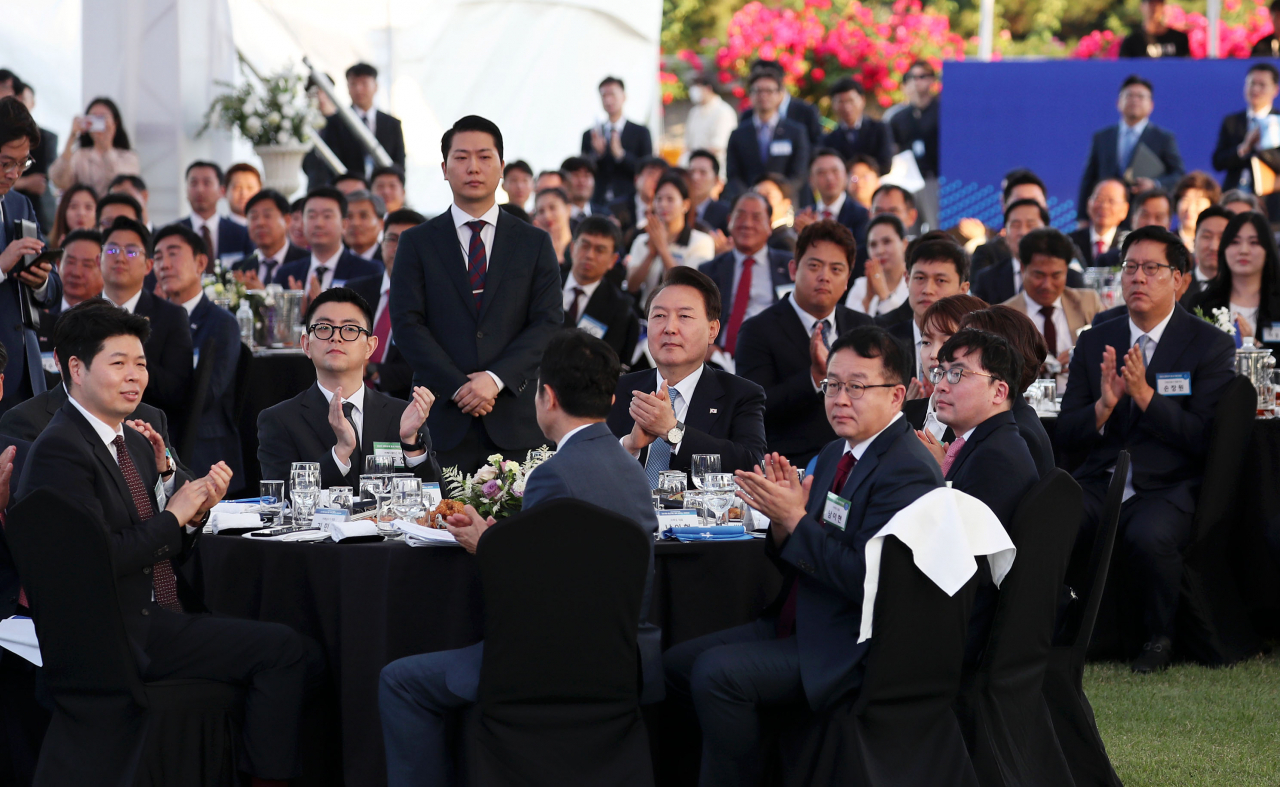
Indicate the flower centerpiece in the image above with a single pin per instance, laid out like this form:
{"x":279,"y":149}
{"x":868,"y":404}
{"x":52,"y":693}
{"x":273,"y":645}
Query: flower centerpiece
{"x":497,"y":488}
{"x":1221,"y":319}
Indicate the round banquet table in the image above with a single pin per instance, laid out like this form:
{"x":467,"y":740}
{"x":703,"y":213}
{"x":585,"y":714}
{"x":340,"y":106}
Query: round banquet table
{"x":369,"y":604}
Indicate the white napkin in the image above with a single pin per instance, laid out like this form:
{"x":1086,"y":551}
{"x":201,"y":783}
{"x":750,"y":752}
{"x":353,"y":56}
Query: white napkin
{"x":418,"y":536}
{"x":353,"y":528}
{"x":296,"y":535}
{"x":944,"y":530}
{"x":220,"y":521}
{"x":234,"y":508}
{"x":18,"y":634}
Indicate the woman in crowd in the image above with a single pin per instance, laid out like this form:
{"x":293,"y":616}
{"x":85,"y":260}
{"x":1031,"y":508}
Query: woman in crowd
{"x":941,"y":321}
{"x":551,"y":213}
{"x":1196,"y":191}
{"x":1248,"y":280}
{"x":669,"y":238}
{"x":77,"y":210}
{"x":884,"y":288}
{"x":97,"y":150}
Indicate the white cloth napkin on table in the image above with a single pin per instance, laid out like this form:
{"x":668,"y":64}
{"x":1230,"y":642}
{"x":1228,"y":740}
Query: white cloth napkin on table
{"x":18,"y":634}
{"x":418,"y":536}
{"x":945,"y":530}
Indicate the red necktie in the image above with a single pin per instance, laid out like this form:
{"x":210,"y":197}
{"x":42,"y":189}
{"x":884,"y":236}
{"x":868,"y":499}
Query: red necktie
{"x":382,"y":329}
{"x":787,"y":615}
{"x":162,"y":577}
{"x":1099,"y":248}
{"x":953,"y":451}
{"x":740,"y":300}
{"x":571,"y":319}
{"x":826,"y":215}
{"x":1050,"y":330}
{"x":477,"y":264}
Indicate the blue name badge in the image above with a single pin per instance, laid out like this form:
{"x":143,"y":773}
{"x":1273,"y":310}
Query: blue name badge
{"x":592,"y":326}
{"x":1174,"y":384}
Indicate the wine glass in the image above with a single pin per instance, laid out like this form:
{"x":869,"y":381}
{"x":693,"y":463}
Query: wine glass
{"x":718,"y":494}
{"x":703,"y":464}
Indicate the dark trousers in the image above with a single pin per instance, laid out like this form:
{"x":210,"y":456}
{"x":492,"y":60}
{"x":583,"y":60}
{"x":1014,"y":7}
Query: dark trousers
{"x":25,"y":711}
{"x":726,"y":677}
{"x":1152,"y":534}
{"x":272,"y":661}
{"x":475,"y":449}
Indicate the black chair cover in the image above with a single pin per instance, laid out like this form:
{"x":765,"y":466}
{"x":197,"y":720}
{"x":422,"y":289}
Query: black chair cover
{"x":900,"y":729}
{"x":1213,"y":620}
{"x":1001,"y":706}
{"x":1069,"y":708}
{"x":104,"y":720}
{"x":559,"y":683}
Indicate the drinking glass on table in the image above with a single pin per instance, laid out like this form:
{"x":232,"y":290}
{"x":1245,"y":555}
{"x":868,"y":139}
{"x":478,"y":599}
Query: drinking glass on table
{"x":379,"y":465}
{"x":672,"y":483}
{"x":718,"y":494}
{"x":340,"y":497}
{"x":272,"y":502}
{"x":701,"y":465}
{"x":304,"y":483}
{"x":406,"y":497}
{"x":693,"y":500}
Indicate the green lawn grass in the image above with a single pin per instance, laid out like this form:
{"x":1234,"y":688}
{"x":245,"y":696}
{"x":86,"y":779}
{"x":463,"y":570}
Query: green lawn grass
{"x":1190,"y":725}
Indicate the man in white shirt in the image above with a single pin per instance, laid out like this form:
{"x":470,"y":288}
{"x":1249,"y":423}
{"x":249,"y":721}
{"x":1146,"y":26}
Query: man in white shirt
{"x":268,"y":215}
{"x":710,"y":121}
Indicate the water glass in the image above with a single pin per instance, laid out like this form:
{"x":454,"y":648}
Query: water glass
{"x":379,"y":465}
{"x":718,"y":494}
{"x":272,"y":493}
{"x":701,"y":465}
{"x":406,"y":497}
{"x":304,"y":474}
{"x":340,"y":497}
{"x":693,"y":500}
{"x":383,"y":495}
{"x":671,"y":485}
{"x":304,"y":505}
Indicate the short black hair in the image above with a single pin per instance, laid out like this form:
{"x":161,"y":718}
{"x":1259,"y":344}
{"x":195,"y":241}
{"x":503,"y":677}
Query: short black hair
{"x":472,"y":123}
{"x":1046,"y":241}
{"x":268,"y":195}
{"x":82,"y":330}
{"x":403,"y":216}
{"x":577,"y":164}
{"x":126,"y":224}
{"x":187,"y":235}
{"x":703,"y":153}
{"x":298,"y":204}
{"x":1020,"y":177}
{"x":1134,"y":79}
{"x":133,"y":180}
{"x":925,"y":64}
{"x":999,"y":358}
{"x":339,"y":295}
{"x":356,"y":176}
{"x":393,"y":170}
{"x":611,"y":80}
{"x":844,"y":85}
{"x":652,"y":162}
{"x":941,"y":250}
{"x":893,"y":221}
{"x":201,"y":163}
{"x":582,"y":370}
{"x":1267,"y":67}
{"x":820,"y":152}
{"x":1024,"y":203}
{"x":830,"y":231}
{"x":1175,"y":251}
{"x":782,"y":184}
{"x":872,"y":341}
{"x":327,"y":192}
{"x":16,"y":122}
{"x":516,"y":211}
{"x":600,"y":227}
{"x":868,"y":161}
{"x":519,"y":165}
{"x":681,"y":276}
{"x":554,"y":191}
{"x":91,"y":235}
{"x":907,"y":197}
{"x":758,"y":74}
{"x":118,"y":199}
{"x":1214,"y":211}
{"x":554,"y":172}
{"x":362,"y":70}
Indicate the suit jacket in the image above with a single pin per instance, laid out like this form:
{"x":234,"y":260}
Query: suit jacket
{"x":1034,"y":435}
{"x":852,"y":215}
{"x":615,"y":178}
{"x":1104,"y":161}
{"x":254,"y":260}
{"x":445,"y":337}
{"x":773,"y":352}
{"x":725,"y":417}
{"x":215,"y":331}
{"x":348,"y":147}
{"x":1169,"y":441}
{"x":990,"y":253}
{"x":9,"y":583}
{"x":232,"y":239}
{"x":995,"y":466}
{"x":297,"y":430}
{"x":23,"y":376}
{"x":800,"y":112}
{"x":169,"y":353}
{"x":742,"y":156}
{"x":395,"y":376}
{"x":615,"y":310}
{"x":830,"y":564}
{"x":716,"y":215}
{"x":1110,"y":314}
{"x":592,"y":466}
{"x":1080,"y":238}
{"x":995,"y":283}
{"x":350,"y":266}
{"x":1231,"y":133}
{"x":1080,"y":305}
{"x":872,"y":138}
{"x":70,"y":457}
{"x":720,"y":269}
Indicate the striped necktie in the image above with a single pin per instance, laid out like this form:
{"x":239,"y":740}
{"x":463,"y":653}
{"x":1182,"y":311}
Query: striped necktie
{"x":477,"y":264}
{"x":659,"y":458}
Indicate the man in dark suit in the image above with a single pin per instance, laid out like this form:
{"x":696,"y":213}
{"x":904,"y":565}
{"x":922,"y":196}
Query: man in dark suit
{"x":364,"y":224}
{"x":387,"y":371}
{"x":330,"y":264}
{"x":1155,"y":38}
{"x":1241,"y":135}
{"x":1267,"y":46}
{"x":268,"y":215}
{"x":362,"y":86}
{"x":226,"y":240}
{"x":797,"y":110}
{"x":737,"y":273}
{"x":936,"y":269}
{"x":37,"y":287}
{"x":704,"y":176}
{"x":473,"y":304}
{"x":768,"y":142}
{"x":683,"y":407}
{"x":857,"y":134}
{"x":1107,"y":207}
{"x":592,"y":303}
{"x":1147,"y":384}
{"x":828,"y":184}
{"x":1210,"y":225}
{"x":805,"y":648}
{"x":417,"y":693}
{"x":339,"y":421}
{"x":617,"y":146}
{"x":783,"y":349}
{"x":153,"y":514}
{"x":580,"y":183}
{"x":180,"y":257}
{"x":1116,"y":149}
{"x":1000,"y":282}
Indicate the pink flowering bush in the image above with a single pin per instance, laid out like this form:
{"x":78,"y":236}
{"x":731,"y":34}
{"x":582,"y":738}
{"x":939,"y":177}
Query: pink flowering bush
{"x":1243,"y":22}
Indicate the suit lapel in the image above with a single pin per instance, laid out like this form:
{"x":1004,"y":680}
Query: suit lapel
{"x":792,"y":328}
{"x":499,"y":263}
{"x":698,"y":415}
{"x":983,"y":431}
{"x":104,"y":457}
{"x":315,"y":411}
{"x":453,"y":260}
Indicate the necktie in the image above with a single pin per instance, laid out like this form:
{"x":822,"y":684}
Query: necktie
{"x":383,"y":329}
{"x":162,"y":578}
{"x":571,"y":318}
{"x":763,"y":137}
{"x":357,"y":456}
{"x":1099,"y":248}
{"x":1144,"y":344}
{"x":208,"y":244}
{"x":477,"y":265}
{"x":843,"y":469}
{"x":741,"y":298}
{"x":821,"y":325}
{"x":659,"y":458}
{"x":271,"y":266}
{"x":826,"y":215}
{"x":1127,"y":141}
{"x":953,"y":451}
{"x":787,"y":615}
{"x":321,"y":270}
{"x":1050,"y":330}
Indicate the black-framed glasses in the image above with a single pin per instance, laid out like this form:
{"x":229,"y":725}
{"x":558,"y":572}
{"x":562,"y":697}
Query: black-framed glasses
{"x":832,"y":388}
{"x":954,"y":374}
{"x":349,"y":333}
{"x":19,"y":167}
{"x":1148,"y":268}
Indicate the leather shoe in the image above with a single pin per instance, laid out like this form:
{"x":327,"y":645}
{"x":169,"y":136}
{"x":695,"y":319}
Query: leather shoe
{"x":1156,"y":655}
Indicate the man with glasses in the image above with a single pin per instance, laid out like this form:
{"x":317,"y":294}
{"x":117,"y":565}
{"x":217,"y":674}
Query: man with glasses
{"x":23,"y":377}
{"x":1149,"y":385}
{"x":768,"y":142}
{"x":805,"y":647}
{"x":338,"y":421}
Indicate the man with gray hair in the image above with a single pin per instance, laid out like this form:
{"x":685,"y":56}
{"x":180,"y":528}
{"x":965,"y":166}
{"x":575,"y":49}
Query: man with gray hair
{"x":364,"y":224}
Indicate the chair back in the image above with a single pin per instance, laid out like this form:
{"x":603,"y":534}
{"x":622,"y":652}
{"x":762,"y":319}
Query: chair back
{"x":1078,"y":628}
{"x":196,"y":397}
{"x":1224,"y":464}
{"x":241,"y":397}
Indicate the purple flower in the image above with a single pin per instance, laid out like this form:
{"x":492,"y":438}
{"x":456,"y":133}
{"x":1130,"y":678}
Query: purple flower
{"x":491,"y":489}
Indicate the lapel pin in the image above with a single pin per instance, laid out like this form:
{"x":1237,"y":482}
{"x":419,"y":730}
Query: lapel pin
{"x":713,"y":410}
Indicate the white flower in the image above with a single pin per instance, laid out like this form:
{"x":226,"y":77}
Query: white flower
{"x":511,"y":466}
{"x":518,"y":487}
{"x":210,"y":292}
{"x":495,"y":460}
{"x":288,"y":111}
{"x":1222,"y":319}
{"x":486,"y":473}
{"x":252,"y":126}
{"x":283,"y":137}
{"x":251,"y":106}
{"x":273,"y":119}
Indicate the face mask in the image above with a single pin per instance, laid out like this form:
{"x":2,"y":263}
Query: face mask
{"x":696,"y":94}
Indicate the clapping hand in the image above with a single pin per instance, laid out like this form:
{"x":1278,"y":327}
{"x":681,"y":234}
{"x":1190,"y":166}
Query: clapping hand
{"x":775,"y":492}
{"x":216,"y":483}
{"x":936,"y":448}
{"x":249,"y":279}
{"x":157,"y":443}
{"x":415,"y":415}
{"x":652,"y":411}
{"x":477,"y":396}
{"x":187,"y":503}
{"x":6,"y":474}
{"x":467,"y":527}
{"x":342,"y":428}
{"x":804,"y":218}
{"x":1135,"y":377}
{"x":615,"y":145}
{"x":1113,"y":387}
{"x":818,"y":354}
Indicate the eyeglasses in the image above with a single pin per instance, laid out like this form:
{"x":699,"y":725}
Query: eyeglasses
{"x":17,"y":167}
{"x":349,"y":333}
{"x":1148,"y":268}
{"x":953,"y":375}
{"x":832,"y":388}
{"x":112,"y":250}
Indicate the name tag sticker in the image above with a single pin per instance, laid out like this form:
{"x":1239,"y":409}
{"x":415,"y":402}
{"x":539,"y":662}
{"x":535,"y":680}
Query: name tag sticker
{"x":780,"y":147}
{"x":325,"y":517}
{"x":683,"y":517}
{"x":1174,"y":384}
{"x":1271,"y":333}
{"x":836,"y":511}
{"x":389,"y":449}
{"x":592,"y":327}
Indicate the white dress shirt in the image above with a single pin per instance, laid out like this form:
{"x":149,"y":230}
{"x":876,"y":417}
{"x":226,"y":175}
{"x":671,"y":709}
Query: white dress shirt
{"x":1137,"y":129}
{"x":859,"y":291}
{"x":108,"y":435}
{"x":368,"y":253}
{"x":807,"y":321}
{"x":1059,"y":322}
{"x":1094,"y":237}
{"x":700,"y":248}
{"x":1017,"y":274}
{"x":198,"y":223}
{"x":190,"y":305}
{"x":761,"y":296}
{"x":330,"y":265}
{"x":357,"y":416}
{"x":130,"y":305}
{"x":834,"y":207}
{"x":490,"y":219}
{"x":1154,"y":335}
{"x":587,"y":291}
{"x":859,"y":448}
{"x":1247,"y":313}
{"x":564,"y":438}
{"x":243,"y":221}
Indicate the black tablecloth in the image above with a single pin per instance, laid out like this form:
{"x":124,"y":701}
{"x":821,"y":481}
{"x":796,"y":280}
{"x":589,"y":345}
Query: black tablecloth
{"x":272,"y":379}
{"x":369,"y":604}
{"x":1256,"y":541}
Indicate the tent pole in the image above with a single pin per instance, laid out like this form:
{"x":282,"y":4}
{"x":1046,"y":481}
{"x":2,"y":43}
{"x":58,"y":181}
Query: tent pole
{"x":1214,"y":13}
{"x":986,"y":29}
